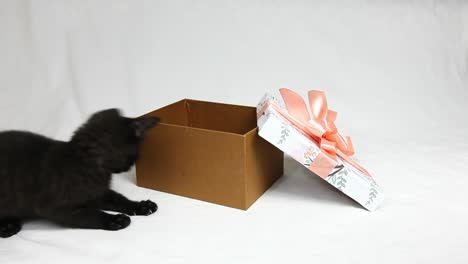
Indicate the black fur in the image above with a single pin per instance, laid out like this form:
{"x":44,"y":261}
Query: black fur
{"x":68,"y":182}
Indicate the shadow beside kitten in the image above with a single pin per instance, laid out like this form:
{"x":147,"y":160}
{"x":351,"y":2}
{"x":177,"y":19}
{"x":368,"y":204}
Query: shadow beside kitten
{"x":69,"y":182}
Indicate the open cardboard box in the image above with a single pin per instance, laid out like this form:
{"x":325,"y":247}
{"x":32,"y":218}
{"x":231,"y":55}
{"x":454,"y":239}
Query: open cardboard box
{"x":208,"y":151}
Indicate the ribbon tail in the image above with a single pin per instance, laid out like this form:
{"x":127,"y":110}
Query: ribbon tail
{"x":350,"y":148}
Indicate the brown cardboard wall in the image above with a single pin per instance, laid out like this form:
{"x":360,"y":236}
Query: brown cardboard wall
{"x":194,"y":163}
{"x":263,"y":166}
{"x":208,"y":151}
{"x":207,"y":115}
{"x":175,"y":114}
{"x":221,"y":117}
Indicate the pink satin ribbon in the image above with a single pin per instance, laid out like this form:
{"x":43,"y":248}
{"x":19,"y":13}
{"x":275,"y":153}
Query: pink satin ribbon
{"x":320,"y":126}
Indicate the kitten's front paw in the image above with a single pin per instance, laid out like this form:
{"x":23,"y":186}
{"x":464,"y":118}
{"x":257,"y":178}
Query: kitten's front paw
{"x":117,"y":222}
{"x":145,"y":208}
{"x":9,"y":229}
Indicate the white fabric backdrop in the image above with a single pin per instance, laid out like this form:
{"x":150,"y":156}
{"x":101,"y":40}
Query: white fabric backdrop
{"x":396,"y":71}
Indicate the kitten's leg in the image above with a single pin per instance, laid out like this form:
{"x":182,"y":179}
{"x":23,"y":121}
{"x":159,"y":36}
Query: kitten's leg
{"x":114,"y":201}
{"x":9,"y":226}
{"x":86,"y":217}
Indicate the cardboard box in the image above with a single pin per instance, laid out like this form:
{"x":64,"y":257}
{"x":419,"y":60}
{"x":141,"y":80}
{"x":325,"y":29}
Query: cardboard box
{"x":208,"y":151}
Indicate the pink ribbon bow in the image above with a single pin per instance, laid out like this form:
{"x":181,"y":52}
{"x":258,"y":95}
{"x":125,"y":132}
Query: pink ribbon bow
{"x":320,"y":126}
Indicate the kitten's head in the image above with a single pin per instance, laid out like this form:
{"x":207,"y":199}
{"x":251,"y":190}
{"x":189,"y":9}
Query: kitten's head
{"x":113,"y":139}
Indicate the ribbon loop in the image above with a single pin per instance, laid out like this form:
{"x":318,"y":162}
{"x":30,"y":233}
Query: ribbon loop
{"x":319,"y":124}
{"x":295,"y":105}
{"x":318,"y":106}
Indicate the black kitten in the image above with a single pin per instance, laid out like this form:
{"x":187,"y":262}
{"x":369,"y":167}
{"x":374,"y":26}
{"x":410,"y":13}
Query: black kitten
{"x":68,"y":182}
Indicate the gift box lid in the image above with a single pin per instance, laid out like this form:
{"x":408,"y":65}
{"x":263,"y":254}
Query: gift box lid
{"x":308,"y":134}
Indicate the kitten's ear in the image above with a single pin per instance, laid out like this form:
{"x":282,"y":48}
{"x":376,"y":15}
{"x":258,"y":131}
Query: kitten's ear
{"x":140,"y":125}
{"x":108,"y":114}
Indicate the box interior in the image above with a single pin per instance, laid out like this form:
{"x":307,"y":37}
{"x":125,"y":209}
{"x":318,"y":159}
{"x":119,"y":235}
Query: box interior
{"x":208,"y":115}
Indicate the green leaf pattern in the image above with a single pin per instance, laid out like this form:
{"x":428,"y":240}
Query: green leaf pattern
{"x":373,"y":192}
{"x":338,"y":177}
{"x":310,"y":155}
{"x":284,"y":134}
